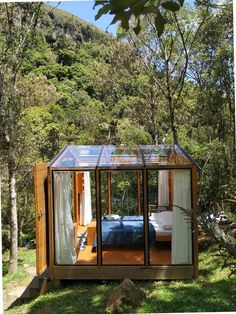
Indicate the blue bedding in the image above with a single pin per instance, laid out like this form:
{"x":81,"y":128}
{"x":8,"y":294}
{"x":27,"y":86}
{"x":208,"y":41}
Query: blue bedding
{"x":126,"y":231}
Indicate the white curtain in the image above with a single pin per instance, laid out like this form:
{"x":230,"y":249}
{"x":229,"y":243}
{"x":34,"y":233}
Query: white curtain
{"x":64,"y":233}
{"x":163,"y":188}
{"x":181,"y":230}
{"x":85,"y":202}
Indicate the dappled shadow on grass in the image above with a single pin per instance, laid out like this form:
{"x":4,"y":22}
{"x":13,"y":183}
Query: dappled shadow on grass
{"x":77,"y":297}
{"x":211,"y":266}
{"x":5,"y":266}
{"x":191,"y":297}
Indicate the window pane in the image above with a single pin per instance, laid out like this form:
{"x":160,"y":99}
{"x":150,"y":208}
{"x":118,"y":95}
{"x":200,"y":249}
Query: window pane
{"x":120,"y":155}
{"x":78,"y":156}
{"x":75,"y":217}
{"x":163,"y":155}
{"x":122,"y":218}
{"x":170,"y":216}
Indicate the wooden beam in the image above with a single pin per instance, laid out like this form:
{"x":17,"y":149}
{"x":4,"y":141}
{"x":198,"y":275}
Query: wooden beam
{"x":73,"y":272}
{"x":51,"y":220}
{"x":171,"y":189}
{"x":109,"y":192}
{"x":99,"y":227}
{"x":139,"y":193}
{"x":145,"y":221}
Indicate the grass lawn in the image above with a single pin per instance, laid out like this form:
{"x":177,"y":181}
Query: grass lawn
{"x":213,"y":291}
{"x":25,"y":257}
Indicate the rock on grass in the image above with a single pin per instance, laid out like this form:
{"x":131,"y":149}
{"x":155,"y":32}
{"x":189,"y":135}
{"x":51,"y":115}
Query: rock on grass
{"x":127,"y":293}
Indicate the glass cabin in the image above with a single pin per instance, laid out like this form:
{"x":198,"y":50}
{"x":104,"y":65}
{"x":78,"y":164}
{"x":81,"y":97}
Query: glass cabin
{"x":113,"y":212}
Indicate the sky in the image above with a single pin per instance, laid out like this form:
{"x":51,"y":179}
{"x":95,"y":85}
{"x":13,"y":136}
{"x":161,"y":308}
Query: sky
{"x":84,"y":9}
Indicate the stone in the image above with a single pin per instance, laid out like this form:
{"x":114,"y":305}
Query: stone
{"x":126,"y":293}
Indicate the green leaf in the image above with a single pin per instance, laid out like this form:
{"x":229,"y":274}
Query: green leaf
{"x":99,"y":2}
{"x":124,"y":18}
{"x":102,"y":11}
{"x":125,"y":22}
{"x":121,"y":4}
{"x":159,"y":23}
{"x":116,"y":18}
{"x":138,"y":7}
{"x":170,"y":6}
{"x":150,"y":9}
{"x":181,"y":2}
{"x":137,"y":28}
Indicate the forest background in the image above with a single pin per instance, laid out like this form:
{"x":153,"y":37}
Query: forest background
{"x":78,"y":85}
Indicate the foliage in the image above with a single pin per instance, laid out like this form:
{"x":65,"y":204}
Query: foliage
{"x":124,"y":10}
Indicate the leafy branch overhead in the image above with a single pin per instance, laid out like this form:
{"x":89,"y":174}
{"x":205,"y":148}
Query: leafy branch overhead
{"x":123,"y":10}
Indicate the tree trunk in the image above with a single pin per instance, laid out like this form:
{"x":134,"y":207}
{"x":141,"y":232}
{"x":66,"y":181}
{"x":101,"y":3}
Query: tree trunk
{"x":14,"y":228}
{"x":154,"y":129}
{"x":12,"y":183}
{"x":172,"y":121}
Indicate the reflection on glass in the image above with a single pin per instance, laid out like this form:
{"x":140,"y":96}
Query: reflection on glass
{"x":85,"y":217}
{"x":160,"y":216}
{"x":122,"y":218}
{"x":164,"y":154}
{"x":89,"y":156}
{"x":78,"y":156}
{"x":120,"y":155}
{"x":169,"y":202}
{"x":75,"y":217}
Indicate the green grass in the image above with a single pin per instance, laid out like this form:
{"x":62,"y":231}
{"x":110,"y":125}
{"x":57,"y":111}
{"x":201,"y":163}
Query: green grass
{"x":24,"y":257}
{"x":213,"y":291}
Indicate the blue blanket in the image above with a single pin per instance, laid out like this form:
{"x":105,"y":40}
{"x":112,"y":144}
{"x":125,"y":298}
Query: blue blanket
{"x":126,"y":231}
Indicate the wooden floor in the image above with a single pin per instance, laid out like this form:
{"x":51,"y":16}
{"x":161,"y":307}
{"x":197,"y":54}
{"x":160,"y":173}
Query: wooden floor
{"x":123,"y":256}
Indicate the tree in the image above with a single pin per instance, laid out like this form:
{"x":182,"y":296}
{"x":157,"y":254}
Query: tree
{"x":166,"y":58}
{"x":18,"y":22}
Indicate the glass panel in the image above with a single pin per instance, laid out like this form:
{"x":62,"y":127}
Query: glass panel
{"x":160,"y":216}
{"x":121,"y":155}
{"x":170,"y":227}
{"x":64,"y":228}
{"x":122,"y":218}
{"x":78,"y":156}
{"x":86,"y":223}
{"x":164,"y":154}
{"x":75,"y":217}
{"x":182,"y":224}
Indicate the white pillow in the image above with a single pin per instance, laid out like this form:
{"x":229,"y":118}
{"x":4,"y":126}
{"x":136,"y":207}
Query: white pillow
{"x":167,"y":227}
{"x":165,"y":218}
{"x":112,"y":217}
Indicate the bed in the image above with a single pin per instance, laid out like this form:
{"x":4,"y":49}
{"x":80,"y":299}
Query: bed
{"x":129,"y":231}
{"x":162,"y":223}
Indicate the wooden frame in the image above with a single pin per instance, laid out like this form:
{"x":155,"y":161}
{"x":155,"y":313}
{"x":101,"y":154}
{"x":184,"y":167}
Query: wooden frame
{"x":145,"y":271}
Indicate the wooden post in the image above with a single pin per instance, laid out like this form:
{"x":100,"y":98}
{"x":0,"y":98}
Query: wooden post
{"x":139,"y":193}
{"x":195,"y":228}
{"x":51,"y":223}
{"x":99,"y":227}
{"x":171,"y":189}
{"x":109,"y":192}
{"x":146,"y":228}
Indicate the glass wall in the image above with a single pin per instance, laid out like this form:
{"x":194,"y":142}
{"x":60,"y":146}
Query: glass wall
{"x":122,"y":217}
{"x":170,"y":226}
{"x":75,"y":217}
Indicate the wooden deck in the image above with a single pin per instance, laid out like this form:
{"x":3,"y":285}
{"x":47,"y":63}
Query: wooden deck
{"x":117,"y":256}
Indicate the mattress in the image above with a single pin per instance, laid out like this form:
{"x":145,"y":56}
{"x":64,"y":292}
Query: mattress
{"x":162,"y":223}
{"x":125,"y":231}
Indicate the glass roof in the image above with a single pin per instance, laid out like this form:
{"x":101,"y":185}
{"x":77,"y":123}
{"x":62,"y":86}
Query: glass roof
{"x":117,"y":156}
